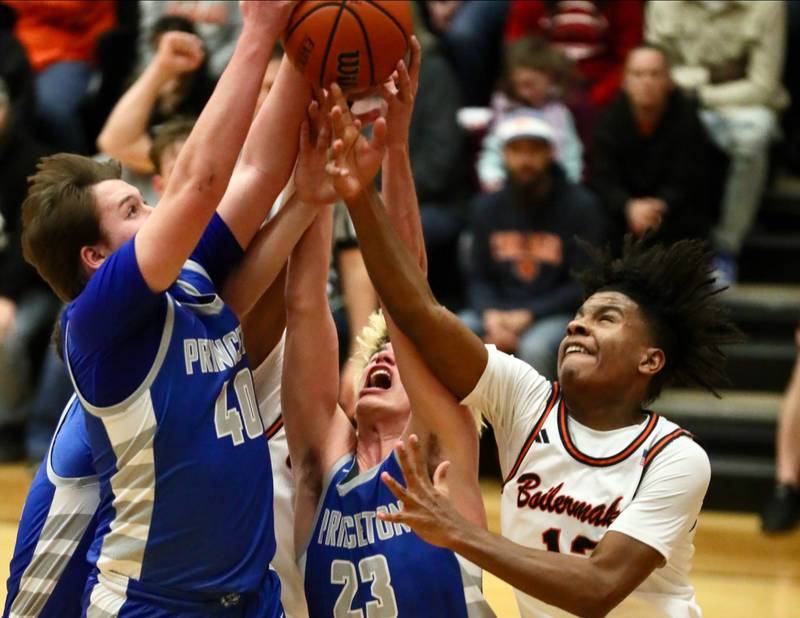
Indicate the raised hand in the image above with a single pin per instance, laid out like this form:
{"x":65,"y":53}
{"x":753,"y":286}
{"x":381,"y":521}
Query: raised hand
{"x":355,"y":160}
{"x":271,"y":16}
{"x":178,"y":52}
{"x":400,"y":93}
{"x":312,"y":182}
{"x":426,"y":504}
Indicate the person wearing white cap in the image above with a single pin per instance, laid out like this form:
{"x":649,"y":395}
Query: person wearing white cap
{"x":521,"y":294}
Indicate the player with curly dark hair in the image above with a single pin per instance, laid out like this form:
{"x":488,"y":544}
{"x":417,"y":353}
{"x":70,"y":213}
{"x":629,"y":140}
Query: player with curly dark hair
{"x":601,"y":495}
{"x":675,"y":290}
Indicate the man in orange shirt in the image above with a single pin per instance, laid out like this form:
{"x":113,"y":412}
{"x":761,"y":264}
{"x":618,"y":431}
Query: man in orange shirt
{"x":60,"y":38}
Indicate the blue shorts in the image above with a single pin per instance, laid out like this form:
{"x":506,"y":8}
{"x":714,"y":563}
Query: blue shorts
{"x":139,"y":601}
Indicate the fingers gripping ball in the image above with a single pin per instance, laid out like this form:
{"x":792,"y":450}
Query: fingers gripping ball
{"x":356,"y":43}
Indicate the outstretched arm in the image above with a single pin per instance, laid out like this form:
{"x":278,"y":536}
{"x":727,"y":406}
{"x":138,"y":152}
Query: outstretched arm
{"x":263,"y":327}
{"x":317,"y":430}
{"x":268,"y":154}
{"x":272,"y":245}
{"x":585,"y":587}
{"x":267,"y":255}
{"x":124,"y":135}
{"x":435,"y":409}
{"x":398,"y":187}
{"x":455,"y":355}
{"x":205,"y":162}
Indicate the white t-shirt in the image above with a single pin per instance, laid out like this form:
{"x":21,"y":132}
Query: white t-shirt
{"x":267,"y":381}
{"x":565,"y":484}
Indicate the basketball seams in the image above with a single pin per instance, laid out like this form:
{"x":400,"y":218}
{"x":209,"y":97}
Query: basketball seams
{"x":321,"y":62}
{"x":393,"y":19}
{"x":294,"y":27}
{"x":329,"y":43}
{"x":366,"y":43}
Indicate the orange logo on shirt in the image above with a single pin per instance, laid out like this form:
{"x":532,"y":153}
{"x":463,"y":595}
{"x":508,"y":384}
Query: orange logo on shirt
{"x":527,"y":250}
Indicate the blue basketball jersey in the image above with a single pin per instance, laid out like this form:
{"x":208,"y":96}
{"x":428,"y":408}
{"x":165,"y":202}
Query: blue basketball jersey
{"x":49,"y":567}
{"x":357,"y":565}
{"x":185,"y":480}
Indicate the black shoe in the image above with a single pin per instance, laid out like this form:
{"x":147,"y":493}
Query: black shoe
{"x":782,"y":512}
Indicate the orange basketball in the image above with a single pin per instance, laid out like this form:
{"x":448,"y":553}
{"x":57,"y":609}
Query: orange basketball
{"x":356,"y":43}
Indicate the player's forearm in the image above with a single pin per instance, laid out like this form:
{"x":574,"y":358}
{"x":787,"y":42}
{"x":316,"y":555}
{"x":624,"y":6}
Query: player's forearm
{"x":571,"y":583}
{"x":226,"y":117}
{"x":266,"y":256}
{"x":450,"y":349}
{"x":306,"y":284}
{"x":271,"y":144}
{"x":397,"y":278}
{"x":400,"y":196}
{"x":204,"y":164}
{"x":264,"y":325}
{"x":126,"y":126}
{"x":310,"y":382}
{"x":269,"y":152}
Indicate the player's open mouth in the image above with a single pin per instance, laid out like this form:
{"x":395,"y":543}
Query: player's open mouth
{"x":380,"y":378}
{"x":576,"y":348}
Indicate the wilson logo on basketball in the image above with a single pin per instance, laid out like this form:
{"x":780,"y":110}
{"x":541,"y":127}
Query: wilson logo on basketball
{"x":552,"y":501}
{"x":347,"y":65}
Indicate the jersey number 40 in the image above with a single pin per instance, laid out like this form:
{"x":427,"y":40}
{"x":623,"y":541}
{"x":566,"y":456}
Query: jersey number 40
{"x":228,"y":421}
{"x":373,"y":569}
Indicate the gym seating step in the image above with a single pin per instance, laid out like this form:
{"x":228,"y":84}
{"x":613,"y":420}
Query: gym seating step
{"x":764,"y":311}
{"x":738,"y":433}
{"x":761,"y":365}
{"x":740,"y":422}
{"x":679,"y":404}
{"x":771,"y":257}
{"x":739,"y":483}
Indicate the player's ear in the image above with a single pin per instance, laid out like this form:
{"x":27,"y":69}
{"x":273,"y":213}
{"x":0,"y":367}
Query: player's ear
{"x":652,"y":361}
{"x":92,"y":257}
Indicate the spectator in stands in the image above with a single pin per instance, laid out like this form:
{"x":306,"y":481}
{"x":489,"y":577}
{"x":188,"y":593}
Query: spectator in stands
{"x":472,"y":33}
{"x":597,"y":35}
{"x":524,"y":248}
{"x":167,"y":87}
{"x":533,"y":77}
{"x":436,"y":150}
{"x":217,"y":22}
{"x":27,"y":308}
{"x":782,"y":512}
{"x":168,"y":140}
{"x":648,"y":164}
{"x":15,"y":70}
{"x":60,"y":39}
{"x":730,"y":56}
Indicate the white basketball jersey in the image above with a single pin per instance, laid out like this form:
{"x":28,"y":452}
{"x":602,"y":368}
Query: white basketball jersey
{"x":267,"y":382}
{"x":565,"y":485}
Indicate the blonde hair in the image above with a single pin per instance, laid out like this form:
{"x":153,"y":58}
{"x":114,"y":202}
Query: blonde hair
{"x":374,"y":336}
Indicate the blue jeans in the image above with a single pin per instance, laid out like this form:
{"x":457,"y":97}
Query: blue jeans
{"x":52,"y":393}
{"x":441,"y":225}
{"x":34,"y":314}
{"x":538,"y":345}
{"x":744,"y":133}
{"x":60,"y":90}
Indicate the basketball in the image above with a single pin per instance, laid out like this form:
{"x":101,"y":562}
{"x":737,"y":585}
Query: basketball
{"x":356,"y":43}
